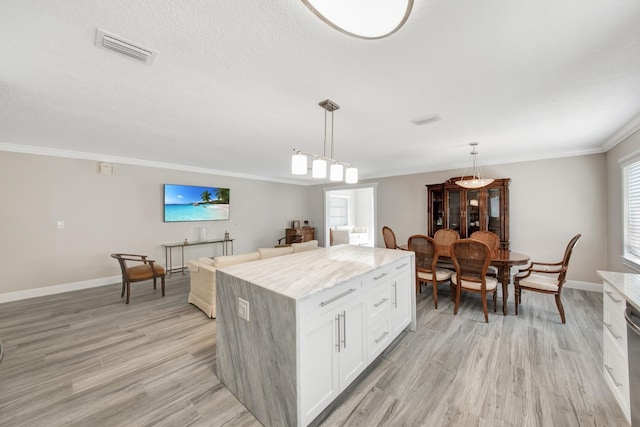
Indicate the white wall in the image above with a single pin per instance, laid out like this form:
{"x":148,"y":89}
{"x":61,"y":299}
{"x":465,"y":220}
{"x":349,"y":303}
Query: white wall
{"x":626,"y":148}
{"x":550,"y":201}
{"x":117,"y":213}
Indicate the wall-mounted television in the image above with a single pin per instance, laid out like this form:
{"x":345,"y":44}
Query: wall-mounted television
{"x":194,"y":203}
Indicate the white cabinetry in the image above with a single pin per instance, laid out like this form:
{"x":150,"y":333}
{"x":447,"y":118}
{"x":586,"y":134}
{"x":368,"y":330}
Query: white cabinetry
{"x":614,"y":346}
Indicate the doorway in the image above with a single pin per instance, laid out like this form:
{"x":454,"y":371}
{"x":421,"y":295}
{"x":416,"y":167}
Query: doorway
{"x":351,"y":208}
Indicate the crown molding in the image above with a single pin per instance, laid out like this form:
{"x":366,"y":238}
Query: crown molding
{"x":53,"y":152}
{"x":628,"y":129}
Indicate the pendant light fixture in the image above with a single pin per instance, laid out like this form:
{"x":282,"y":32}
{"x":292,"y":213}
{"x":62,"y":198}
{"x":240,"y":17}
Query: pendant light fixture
{"x":475,"y":181}
{"x":337,"y":171}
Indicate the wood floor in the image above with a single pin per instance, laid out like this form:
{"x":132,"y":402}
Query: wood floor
{"x":86,"y":359}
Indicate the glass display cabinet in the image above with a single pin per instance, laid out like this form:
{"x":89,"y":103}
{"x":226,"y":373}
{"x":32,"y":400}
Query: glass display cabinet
{"x":468,"y":210}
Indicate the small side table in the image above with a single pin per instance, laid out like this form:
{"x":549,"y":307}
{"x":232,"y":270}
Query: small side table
{"x":226,"y":243}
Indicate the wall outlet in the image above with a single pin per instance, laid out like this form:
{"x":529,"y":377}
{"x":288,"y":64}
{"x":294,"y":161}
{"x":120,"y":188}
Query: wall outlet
{"x":243,"y":309}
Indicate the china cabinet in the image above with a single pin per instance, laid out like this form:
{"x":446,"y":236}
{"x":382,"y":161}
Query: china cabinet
{"x":468,"y":210}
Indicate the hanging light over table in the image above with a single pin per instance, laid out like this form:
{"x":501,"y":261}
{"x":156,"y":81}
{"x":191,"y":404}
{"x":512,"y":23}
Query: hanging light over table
{"x":477,"y":180}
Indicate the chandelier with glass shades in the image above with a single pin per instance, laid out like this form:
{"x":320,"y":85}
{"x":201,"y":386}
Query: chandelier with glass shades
{"x":337,"y":172}
{"x":477,"y":180}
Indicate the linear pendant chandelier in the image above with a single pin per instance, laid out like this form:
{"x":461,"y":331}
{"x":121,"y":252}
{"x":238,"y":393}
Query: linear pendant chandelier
{"x":299,"y":160}
{"x":476,"y":181}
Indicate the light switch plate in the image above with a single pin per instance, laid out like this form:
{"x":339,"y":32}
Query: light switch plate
{"x":243,"y":309}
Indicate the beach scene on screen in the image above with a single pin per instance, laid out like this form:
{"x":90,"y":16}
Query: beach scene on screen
{"x":195,"y":203}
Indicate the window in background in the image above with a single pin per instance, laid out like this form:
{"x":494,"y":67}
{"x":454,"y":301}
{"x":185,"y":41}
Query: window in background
{"x":338,"y":211}
{"x":631,"y":212}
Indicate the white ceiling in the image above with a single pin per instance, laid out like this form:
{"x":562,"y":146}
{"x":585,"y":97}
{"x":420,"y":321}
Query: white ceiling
{"x":236,"y":84}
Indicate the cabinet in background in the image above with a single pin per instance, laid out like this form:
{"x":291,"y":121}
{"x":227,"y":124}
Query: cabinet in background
{"x":468,"y":210}
{"x":309,"y":233}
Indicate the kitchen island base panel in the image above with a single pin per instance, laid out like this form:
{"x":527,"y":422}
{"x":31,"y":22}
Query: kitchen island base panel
{"x":249,"y":374}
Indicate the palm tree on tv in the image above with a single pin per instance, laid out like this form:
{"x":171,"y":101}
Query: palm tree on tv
{"x":222,"y":194}
{"x":206,"y":196}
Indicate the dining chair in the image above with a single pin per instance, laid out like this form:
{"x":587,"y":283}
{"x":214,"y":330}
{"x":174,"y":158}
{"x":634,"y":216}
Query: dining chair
{"x":426,"y":254}
{"x":493,"y":241}
{"x":288,"y":240}
{"x":338,"y":237}
{"x":146,"y":271}
{"x":549,"y":280}
{"x":471,"y":259}
{"x":389,"y":238}
{"x":444,"y":238}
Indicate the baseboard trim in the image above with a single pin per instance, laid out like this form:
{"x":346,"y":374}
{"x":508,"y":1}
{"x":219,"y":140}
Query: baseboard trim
{"x":58,"y":289}
{"x":584,"y":286}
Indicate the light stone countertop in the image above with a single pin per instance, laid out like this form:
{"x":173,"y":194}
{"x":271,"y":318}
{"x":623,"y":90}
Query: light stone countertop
{"x":628,"y":285}
{"x":302,"y":274}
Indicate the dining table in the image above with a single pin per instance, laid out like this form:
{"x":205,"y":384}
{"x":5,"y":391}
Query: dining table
{"x":502,"y":260}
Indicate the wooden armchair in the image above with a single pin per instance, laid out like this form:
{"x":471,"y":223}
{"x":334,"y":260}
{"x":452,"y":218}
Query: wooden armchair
{"x":148,"y":270}
{"x":426,"y":252}
{"x":389,"y":238}
{"x":471,"y":259}
{"x":551,"y":277}
{"x":288,"y":240}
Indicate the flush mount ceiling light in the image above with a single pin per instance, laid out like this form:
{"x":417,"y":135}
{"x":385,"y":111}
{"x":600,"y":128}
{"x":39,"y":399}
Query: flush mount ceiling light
{"x":366,"y":19}
{"x":299,"y":159}
{"x":475,"y":181}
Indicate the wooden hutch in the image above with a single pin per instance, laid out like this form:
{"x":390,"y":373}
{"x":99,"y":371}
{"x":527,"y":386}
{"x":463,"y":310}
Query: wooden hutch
{"x":468,"y":210}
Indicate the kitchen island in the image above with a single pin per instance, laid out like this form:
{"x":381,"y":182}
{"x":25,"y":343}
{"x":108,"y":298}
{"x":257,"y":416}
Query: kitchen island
{"x":294,"y":331}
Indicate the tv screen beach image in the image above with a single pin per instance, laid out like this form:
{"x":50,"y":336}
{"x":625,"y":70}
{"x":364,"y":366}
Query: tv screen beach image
{"x":194,"y":203}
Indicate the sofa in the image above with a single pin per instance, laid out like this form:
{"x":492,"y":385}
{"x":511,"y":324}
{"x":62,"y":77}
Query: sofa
{"x":202,"y":272}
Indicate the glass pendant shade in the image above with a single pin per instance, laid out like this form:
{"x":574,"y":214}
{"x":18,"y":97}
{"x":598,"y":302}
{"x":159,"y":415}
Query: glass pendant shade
{"x":351,"y":175}
{"x":335,"y":173}
{"x":474,"y":182}
{"x":299,"y":164}
{"x":319,"y":168}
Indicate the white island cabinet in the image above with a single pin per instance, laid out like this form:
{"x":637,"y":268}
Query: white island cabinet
{"x":317,"y":319}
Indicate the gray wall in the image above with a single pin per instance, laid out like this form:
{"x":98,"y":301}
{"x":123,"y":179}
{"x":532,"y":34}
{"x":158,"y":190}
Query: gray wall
{"x":117,"y":213}
{"x":625,"y":149}
{"x":551,"y":200}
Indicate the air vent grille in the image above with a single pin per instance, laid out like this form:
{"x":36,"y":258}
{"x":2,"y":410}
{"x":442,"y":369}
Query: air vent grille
{"x":124,"y":47}
{"x":426,"y":119}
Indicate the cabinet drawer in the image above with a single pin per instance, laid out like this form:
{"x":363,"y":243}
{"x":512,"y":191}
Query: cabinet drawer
{"x":378,"y":301}
{"x":613,"y":299}
{"x":400,"y":266}
{"x":379,"y":337}
{"x":614,"y":325}
{"x":329,"y":298}
{"x":616,"y":373}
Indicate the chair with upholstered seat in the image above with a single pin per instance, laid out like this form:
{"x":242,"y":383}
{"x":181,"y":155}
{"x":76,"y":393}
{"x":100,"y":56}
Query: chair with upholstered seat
{"x":426,"y":253}
{"x":389,"y":238}
{"x":471,"y":259}
{"x":288,"y":240}
{"x":444,"y":238}
{"x":338,"y":237}
{"x":549,"y":278}
{"x":146,"y":271}
{"x":493,"y":241}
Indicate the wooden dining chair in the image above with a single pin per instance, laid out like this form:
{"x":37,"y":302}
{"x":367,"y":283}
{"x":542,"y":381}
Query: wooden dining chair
{"x":444,"y":238}
{"x":389,"y":238}
{"x":493,"y":241}
{"x":146,"y":271}
{"x":471,"y":259}
{"x":549,"y":278}
{"x":426,"y":254}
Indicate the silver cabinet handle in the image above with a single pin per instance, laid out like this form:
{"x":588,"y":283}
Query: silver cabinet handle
{"x":402,"y":266}
{"x":610,"y":294}
{"x":337,"y":297}
{"x":382,"y":336}
{"x":382,"y":301}
{"x":395,"y":294}
{"x":338,"y":326}
{"x":610,"y":372}
{"x":380,"y":276}
{"x":344,"y":329}
{"x":609,"y":326}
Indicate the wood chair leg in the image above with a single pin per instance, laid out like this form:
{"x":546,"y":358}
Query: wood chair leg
{"x":457,"y":304}
{"x":123,"y":288}
{"x":162,"y":284}
{"x":495,"y":298}
{"x":418,"y":289}
{"x":485,"y":310}
{"x":560,"y":308}
{"x":516,"y":297}
{"x":154,"y":282}
{"x":128,"y":291}
{"x":435,"y":294}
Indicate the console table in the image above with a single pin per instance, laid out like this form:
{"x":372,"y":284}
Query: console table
{"x":226,"y":243}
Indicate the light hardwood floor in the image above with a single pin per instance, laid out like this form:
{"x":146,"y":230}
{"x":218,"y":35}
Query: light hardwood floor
{"x":87,"y":359}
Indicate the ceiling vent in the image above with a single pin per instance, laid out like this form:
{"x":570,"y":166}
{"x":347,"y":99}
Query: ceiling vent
{"x":124,"y":47}
{"x":426,"y":119}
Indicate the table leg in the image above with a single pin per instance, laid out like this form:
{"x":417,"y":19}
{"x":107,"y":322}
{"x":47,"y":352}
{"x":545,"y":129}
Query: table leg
{"x":505,"y":272}
{"x":182,"y":249}
{"x":168,"y":254}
